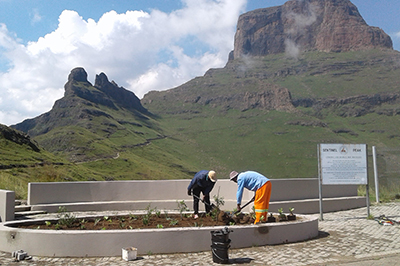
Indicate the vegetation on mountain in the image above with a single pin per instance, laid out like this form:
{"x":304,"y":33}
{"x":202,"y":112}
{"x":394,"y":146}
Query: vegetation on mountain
{"x":266,"y":110}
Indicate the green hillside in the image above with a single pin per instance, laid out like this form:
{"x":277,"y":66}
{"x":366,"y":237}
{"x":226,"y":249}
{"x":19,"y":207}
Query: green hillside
{"x":337,"y":98}
{"x":284,"y":144}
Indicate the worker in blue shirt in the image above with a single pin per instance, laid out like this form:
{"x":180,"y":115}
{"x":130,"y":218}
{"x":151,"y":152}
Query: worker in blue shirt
{"x":262,"y":191}
{"x":203,"y":181}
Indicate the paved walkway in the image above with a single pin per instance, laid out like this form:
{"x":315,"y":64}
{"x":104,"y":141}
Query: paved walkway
{"x":346,"y":238}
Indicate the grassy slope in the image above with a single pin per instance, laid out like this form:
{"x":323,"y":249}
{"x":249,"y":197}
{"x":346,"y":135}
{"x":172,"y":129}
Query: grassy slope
{"x":210,"y":137}
{"x":261,"y":140}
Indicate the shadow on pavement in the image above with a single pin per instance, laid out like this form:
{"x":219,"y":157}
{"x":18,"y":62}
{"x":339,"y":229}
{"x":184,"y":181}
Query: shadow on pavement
{"x":240,"y":260}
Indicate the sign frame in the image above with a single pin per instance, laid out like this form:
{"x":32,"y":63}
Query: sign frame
{"x":342,"y":164}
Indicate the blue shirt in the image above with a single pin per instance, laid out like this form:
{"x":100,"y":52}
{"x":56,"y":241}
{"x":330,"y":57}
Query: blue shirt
{"x":202,"y":180}
{"x":250,"y":180}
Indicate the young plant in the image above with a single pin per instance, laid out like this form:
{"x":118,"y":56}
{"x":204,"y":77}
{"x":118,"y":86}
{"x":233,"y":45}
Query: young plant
{"x":149,"y":210}
{"x":291,"y":209}
{"x":182,"y":207}
{"x":160,"y":226}
{"x":133,"y":217}
{"x":214,"y":214}
{"x":96,"y":221}
{"x":65,"y":218}
{"x":219,"y":200}
{"x":281,"y":214}
{"x":166,"y":214}
{"x":253,"y":213}
{"x":173,"y":222}
{"x":145,"y":220}
{"x":107,"y":219}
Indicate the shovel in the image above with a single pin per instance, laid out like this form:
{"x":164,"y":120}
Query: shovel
{"x":212,"y":206}
{"x":236,"y":212}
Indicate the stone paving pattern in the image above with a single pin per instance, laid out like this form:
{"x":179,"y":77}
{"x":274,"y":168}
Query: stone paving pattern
{"x":345,"y":238}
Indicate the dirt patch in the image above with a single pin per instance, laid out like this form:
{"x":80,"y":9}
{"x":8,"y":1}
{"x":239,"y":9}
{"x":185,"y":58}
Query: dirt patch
{"x":142,"y":222}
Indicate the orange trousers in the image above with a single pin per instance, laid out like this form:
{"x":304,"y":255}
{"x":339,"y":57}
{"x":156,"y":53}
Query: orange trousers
{"x":261,"y":202}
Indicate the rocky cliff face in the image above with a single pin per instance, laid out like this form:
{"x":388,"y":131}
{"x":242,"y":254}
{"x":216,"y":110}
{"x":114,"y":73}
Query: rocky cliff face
{"x":81,"y":102}
{"x":306,"y":25}
{"x":17,"y":137}
{"x":108,"y":94}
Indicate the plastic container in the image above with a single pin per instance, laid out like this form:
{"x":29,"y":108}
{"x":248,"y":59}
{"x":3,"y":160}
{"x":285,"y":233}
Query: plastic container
{"x":129,"y":253}
{"x":220,"y":245}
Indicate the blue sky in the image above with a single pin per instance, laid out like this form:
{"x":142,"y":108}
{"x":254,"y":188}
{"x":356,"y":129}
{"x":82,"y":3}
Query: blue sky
{"x":142,"y":45}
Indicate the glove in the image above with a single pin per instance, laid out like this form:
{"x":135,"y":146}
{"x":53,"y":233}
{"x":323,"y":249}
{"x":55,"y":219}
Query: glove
{"x":189,"y":192}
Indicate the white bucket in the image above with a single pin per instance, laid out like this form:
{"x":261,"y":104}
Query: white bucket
{"x":129,"y":253}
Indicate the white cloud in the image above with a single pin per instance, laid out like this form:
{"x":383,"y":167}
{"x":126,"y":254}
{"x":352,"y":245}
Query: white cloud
{"x":140,"y":51}
{"x":36,"y":17}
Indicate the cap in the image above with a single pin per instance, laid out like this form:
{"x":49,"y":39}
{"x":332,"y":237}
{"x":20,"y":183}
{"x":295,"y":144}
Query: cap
{"x":232,"y":175}
{"x":212,"y":176}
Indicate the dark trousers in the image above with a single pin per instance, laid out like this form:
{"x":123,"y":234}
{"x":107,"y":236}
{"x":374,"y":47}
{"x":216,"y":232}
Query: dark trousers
{"x":196,"y":191}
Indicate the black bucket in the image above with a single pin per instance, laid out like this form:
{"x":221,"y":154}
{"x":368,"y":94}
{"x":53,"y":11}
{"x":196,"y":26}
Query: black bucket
{"x":221,"y":236}
{"x":220,"y":245}
{"x":220,"y":254}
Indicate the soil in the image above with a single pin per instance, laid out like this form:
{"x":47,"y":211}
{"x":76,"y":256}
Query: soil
{"x":142,"y":222}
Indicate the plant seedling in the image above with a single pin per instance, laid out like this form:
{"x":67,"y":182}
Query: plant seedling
{"x":96,"y":221}
{"x":173,"y":222}
{"x":64,"y":218}
{"x":182,"y":207}
{"x":281,"y":214}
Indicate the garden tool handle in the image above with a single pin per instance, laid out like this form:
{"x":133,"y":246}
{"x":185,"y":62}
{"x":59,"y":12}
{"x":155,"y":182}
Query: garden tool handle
{"x":245,"y":205}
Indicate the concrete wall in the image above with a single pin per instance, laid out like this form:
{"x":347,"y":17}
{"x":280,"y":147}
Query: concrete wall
{"x":88,"y":243}
{"x":7,"y":205}
{"x":137,"y":194}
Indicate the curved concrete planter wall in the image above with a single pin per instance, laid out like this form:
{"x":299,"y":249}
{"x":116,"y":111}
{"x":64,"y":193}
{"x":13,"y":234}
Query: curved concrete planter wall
{"x":75,"y":243}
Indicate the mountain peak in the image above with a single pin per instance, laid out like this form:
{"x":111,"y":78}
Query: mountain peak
{"x":78,"y":74}
{"x":82,"y":101}
{"x":306,"y":25}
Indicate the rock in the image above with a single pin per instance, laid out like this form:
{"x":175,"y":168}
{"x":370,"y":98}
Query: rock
{"x":17,"y":137}
{"x":81,"y":102}
{"x":323,"y":25}
{"x":122,"y":97}
{"x":78,"y":74}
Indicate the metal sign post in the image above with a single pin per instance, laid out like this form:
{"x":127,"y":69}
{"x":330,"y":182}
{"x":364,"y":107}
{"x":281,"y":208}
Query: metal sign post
{"x":342,"y":164}
{"x":375,"y":173}
{"x":321,"y":215}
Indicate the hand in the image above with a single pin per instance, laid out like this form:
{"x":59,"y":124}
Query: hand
{"x":190,"y":192}
{"x":253,"y":199}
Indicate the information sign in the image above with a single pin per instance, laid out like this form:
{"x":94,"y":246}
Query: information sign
{"x":343,"y":164}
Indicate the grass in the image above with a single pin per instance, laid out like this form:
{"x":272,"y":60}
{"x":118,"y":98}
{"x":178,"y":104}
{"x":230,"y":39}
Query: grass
{"x":189,"y":132}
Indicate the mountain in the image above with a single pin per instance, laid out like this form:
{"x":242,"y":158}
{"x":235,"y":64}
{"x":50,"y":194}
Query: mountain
{"x":300,"y":74}
{"x":311,"y":25}
{"x":304,"y":73}
{"x":81,"y":103}
{"x":105,"y":128}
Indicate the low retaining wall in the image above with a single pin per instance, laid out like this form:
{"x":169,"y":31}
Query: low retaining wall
{"x":7,"y":205}
{"x":301,"y":193}
{"x":86,"y":243}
